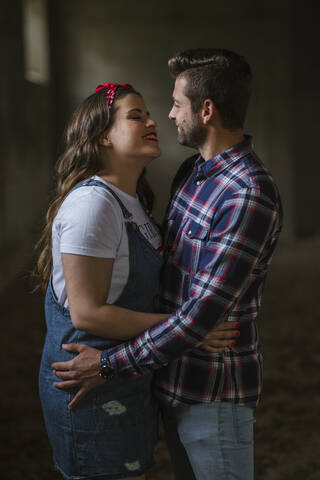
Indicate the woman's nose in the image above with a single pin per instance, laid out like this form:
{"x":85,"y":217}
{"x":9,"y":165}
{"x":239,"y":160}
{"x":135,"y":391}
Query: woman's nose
{"x":151,"y":123}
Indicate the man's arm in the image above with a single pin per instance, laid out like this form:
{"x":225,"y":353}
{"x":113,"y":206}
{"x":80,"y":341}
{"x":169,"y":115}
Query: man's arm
{"x":83,"y":370}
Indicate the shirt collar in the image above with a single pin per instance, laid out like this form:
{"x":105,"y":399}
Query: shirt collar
{"x":213,"y":166}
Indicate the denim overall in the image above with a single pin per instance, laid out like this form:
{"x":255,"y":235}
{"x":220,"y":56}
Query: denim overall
{"x":112,"y":432}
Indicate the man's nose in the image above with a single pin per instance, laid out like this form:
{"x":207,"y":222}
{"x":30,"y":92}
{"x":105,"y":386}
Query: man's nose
{"x":171,"y":114}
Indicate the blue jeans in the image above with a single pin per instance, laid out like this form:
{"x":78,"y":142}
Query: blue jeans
{"x":210,"y":441}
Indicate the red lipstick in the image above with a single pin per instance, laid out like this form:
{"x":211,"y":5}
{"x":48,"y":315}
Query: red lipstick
{"x":151,"y":136}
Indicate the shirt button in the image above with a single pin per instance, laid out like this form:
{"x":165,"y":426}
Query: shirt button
{"x":198,"y":182}
{"x":190,"y":231}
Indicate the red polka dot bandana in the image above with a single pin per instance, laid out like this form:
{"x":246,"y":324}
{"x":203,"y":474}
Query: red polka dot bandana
{"x":111,"y":89}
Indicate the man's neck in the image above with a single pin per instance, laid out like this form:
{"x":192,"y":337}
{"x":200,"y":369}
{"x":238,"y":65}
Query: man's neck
{"x":220,"y":140}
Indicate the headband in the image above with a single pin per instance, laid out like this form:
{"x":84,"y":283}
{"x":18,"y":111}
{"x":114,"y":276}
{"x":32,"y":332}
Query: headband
{"x":111,"y":89}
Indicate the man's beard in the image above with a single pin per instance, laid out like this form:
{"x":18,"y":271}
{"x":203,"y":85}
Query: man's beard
{"x":193,"y":135}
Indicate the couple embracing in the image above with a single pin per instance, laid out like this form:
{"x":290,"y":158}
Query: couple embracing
{"x":141,"y":319}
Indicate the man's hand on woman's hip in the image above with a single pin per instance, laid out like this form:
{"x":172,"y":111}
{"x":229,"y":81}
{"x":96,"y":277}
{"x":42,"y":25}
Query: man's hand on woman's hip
{"x":81,"y":371}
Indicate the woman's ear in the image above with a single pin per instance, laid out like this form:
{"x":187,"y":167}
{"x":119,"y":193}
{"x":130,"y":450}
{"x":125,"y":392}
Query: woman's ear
{"x":105,"y":141}
{"x":207,"y":111}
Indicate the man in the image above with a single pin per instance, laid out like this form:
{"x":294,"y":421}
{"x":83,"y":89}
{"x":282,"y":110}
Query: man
{"x":221,"y":229}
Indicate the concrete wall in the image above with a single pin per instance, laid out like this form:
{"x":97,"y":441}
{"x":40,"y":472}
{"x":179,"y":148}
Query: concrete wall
{"x":97,"y":41}
{"x":305,"y":111}
{"x":26,"y":148}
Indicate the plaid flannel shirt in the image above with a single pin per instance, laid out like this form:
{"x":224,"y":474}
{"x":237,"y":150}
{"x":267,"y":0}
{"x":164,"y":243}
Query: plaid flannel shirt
{"x":221,"y":229}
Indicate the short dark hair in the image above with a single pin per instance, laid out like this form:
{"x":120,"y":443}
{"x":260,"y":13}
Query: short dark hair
{"x":221,"y":75}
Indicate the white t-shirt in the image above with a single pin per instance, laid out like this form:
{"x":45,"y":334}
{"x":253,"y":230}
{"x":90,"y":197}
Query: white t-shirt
{"x":90,"y":222}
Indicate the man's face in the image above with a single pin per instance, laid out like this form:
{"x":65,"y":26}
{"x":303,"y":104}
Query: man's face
{"x":191,"y":132}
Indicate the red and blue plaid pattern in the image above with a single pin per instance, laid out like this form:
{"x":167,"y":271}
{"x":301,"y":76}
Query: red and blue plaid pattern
{"x":220,"y":233}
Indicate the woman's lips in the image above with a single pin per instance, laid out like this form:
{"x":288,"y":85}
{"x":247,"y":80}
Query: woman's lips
{"x":151,"y":136}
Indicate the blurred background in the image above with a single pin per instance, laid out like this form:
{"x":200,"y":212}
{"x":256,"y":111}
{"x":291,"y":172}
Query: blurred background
{"x":53,"y":54}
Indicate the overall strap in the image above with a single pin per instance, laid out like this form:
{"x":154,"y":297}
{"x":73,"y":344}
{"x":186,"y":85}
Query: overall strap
{"x":96,"y":183}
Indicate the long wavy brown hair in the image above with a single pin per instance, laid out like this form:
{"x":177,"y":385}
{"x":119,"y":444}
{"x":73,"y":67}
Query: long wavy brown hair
{"x":80,"y":160}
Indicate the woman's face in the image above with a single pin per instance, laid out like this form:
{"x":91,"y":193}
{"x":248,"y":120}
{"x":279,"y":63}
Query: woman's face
{"x":133,"y":133}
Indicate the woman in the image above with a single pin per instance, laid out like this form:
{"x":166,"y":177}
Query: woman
{"x":95,"y":220}
{"x":103,"y":250}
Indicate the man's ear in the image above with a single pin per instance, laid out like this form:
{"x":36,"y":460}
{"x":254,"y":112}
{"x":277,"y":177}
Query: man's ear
{"x":105,"y":141}
{"x":207,"y":111}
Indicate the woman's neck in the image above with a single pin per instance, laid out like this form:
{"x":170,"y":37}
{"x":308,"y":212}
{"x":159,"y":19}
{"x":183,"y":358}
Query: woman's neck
{"x":124,"y":183}
{"x":122,"y":172}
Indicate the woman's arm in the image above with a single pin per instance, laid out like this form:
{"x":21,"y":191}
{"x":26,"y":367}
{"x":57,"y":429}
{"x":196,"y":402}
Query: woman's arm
{"x":87,"y":283}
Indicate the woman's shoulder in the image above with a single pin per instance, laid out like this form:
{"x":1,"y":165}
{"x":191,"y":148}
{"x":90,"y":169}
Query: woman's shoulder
{"x":92,"y":206}
{"x":89,"y":198}
{"x":90,"y":220}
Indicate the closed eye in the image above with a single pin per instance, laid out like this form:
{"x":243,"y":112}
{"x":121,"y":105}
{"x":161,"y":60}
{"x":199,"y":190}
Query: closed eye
{"x":138,"y":118}
{"x":137,"y":114}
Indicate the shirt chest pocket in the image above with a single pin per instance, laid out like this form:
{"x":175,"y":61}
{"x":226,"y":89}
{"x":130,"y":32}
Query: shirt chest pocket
{"x":195,"y":231}
{"x":192,"y":246}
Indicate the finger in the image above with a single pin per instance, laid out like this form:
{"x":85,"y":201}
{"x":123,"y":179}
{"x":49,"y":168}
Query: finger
{"x":227,"y":326}
{"x":220,"y":343}
{"x":80,"y":394}
{"x":227,"y":343}
{"x":208,"y":348}
{"x":72,"y":347}
{"x":66,"y":385}
{"x":215,"y":342}
{"x":65,"y":375}
{"x":62,"y":365}
{"x":223,"y":334}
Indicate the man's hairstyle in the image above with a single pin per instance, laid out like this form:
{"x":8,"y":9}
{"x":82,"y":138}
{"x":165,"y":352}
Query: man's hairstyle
{"x":218,"y":74}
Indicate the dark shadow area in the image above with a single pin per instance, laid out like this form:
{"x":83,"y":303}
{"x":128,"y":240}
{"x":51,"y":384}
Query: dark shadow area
{"x":287,"y":438}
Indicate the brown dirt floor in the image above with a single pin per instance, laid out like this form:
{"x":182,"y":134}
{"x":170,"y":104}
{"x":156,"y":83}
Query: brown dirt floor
{"x":287,"y":440}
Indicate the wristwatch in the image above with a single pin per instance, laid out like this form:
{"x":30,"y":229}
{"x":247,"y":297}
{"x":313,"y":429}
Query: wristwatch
{"x":106,"y":371}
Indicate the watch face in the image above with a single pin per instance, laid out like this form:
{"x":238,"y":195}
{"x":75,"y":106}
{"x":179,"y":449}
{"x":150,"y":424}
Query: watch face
{"x":106,"y":372}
